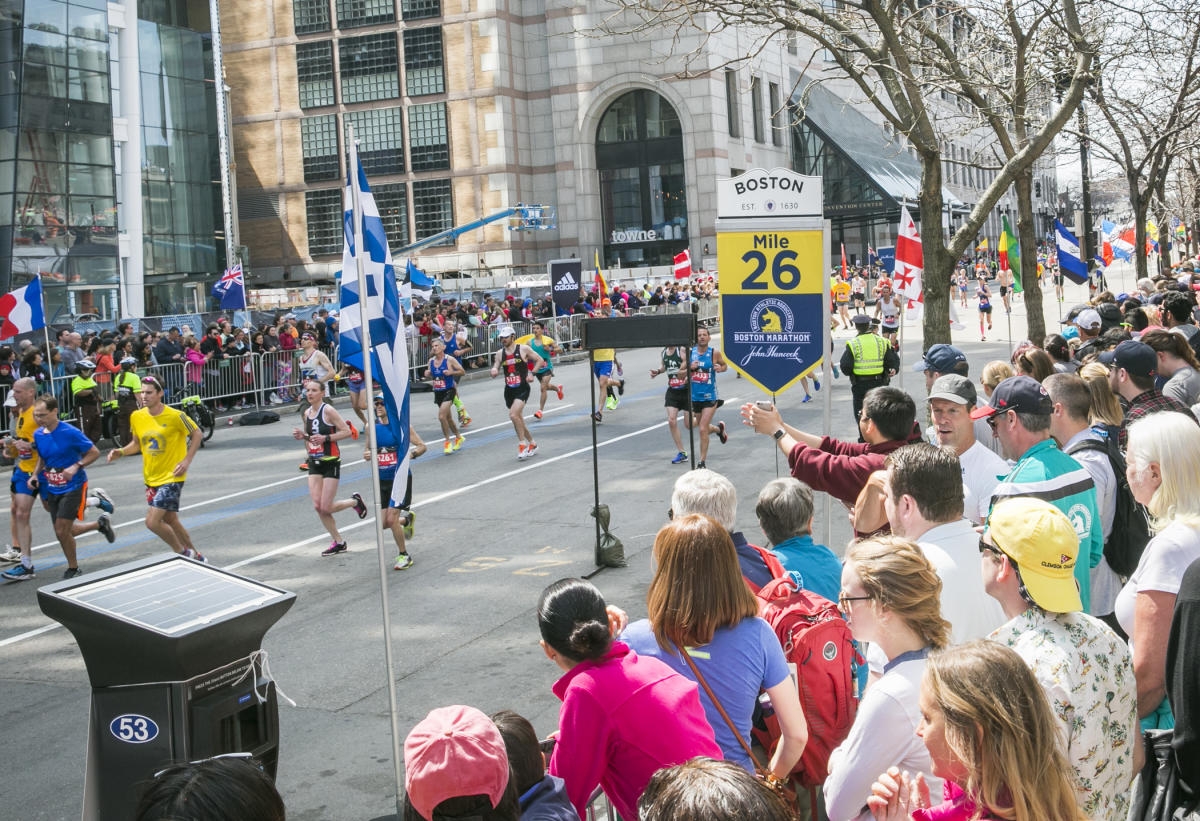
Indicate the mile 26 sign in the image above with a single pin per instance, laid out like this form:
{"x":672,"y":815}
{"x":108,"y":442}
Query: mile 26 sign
{"x":771,"y":241}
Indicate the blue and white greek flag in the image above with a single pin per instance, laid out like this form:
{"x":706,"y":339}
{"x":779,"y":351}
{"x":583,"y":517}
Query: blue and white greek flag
{"x":389,"y":346}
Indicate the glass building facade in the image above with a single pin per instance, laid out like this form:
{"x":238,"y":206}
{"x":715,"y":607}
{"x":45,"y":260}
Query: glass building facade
{"x":61,"y":175}
{"x":183,"y":238}
{"x":351,"y":78}
{"x":58,"y":206}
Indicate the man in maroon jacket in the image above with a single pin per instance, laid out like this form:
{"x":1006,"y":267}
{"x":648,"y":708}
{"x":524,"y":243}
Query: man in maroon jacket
{"x":839,"y":468}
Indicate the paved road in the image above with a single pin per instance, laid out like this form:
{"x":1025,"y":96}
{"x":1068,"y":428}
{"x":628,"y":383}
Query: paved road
{"x":491,"y":533}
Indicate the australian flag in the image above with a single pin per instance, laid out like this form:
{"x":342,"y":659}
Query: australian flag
{"x":379,"y":310}
{"x":230,"y":289}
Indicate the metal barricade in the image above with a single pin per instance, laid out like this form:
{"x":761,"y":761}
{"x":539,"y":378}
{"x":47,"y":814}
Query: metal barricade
{"x":279,"y":377}
{"x":599,"y":807}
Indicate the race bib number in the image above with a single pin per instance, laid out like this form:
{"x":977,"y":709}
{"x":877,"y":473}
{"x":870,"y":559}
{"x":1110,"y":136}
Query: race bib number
{"x":316,"y":450}
{"x":439,"y":384}
{"x":675,"y":380}
{"x":355,"y":377}
{"x":387,"y":458}
{"x":701,"y":377}
{"x":512,"y":380}
{"x":56,"y":478}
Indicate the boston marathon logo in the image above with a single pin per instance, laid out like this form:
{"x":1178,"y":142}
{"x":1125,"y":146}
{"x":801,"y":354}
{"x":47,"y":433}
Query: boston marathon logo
{"x":771,"y":333}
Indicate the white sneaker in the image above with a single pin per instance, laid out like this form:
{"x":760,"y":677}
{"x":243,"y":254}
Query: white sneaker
{"x":10,"y":554}
{"x":275,"y":400}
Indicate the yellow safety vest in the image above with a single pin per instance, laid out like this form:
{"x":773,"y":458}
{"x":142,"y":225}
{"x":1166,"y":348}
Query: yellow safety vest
{"x":868,"y":358}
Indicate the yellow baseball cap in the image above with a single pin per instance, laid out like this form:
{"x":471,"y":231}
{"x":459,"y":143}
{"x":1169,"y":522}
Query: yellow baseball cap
{"x":1043,"y":544}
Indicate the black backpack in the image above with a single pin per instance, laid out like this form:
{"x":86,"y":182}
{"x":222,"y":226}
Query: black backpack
{"x":1131,"y":524}
{"x":258,"y":417}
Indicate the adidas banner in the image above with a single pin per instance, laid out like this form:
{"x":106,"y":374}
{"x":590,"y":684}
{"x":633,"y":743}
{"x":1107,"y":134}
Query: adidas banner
{"x":566,"y":277}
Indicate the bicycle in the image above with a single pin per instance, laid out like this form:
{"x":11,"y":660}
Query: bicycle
{"x":201,"y":414}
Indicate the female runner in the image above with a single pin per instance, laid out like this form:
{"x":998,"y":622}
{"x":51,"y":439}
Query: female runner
{"x":323,"y":427}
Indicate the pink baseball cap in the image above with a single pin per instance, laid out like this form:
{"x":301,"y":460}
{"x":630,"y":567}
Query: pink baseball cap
{"x":455,"y":751}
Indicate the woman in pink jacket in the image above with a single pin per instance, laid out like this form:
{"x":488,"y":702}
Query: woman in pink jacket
{"x":624,"y":716}
{"x":992,"y":739}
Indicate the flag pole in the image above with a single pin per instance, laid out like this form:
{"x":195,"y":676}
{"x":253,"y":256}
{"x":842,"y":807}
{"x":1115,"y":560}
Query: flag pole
{"x":373,"y":445}
{"x":46,"y":332}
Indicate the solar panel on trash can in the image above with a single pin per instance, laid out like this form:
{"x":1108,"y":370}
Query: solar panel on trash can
{"x":174,"y":597}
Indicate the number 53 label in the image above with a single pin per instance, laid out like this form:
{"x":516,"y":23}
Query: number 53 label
{"x":770,"y":262}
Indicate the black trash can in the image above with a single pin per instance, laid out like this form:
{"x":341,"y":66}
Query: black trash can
{"x":173,"y":653}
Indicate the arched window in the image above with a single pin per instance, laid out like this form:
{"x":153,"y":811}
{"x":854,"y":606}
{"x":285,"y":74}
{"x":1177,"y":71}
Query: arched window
{"x":643,"y":199}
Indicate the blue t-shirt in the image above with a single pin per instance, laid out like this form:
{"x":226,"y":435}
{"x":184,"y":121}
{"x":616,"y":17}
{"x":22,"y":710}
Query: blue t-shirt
{"x":819,"y":570}
{"x":738,"y":663}
{"x":59,"y":450}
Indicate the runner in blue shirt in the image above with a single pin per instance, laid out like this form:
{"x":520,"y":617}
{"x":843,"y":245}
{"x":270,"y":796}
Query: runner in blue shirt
{"x":63,"y":453}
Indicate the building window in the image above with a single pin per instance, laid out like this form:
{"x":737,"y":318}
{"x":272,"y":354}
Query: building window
{"x":433,"y":208}
{"x":380,"y":136}
{"x":420,"y":9}
{"x":325,"y":220}
{"x":423,"y":65}
{"x":429,"y":145}
{"x":319,"y":139}
{"x":777,"y":114}
{"x":756,"y":109}
{"x":310,"y":16}
{"x":392,"y":203}
{"x":368,"y":67}
{"x":354,"y":13}
{"x":314,"y":73}
{"x":733,"y":104}
{"x":643,"y":203}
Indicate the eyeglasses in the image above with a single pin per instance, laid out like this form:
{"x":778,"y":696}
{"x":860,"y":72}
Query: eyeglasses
{"x":844,"y":600}
{"x":985,"y":547}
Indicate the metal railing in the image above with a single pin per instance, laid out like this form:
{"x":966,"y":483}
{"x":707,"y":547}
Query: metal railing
{"x":263,"y":379}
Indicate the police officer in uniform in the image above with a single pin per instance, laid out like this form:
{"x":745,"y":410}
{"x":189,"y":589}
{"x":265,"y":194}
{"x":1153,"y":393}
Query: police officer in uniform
{"x":868,"y":360}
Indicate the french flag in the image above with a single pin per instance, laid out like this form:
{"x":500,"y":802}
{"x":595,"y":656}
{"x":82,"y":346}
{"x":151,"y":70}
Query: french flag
{"x":21,"y":310}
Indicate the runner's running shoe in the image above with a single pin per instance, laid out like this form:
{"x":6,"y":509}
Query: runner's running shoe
{"x":304,"y":465}
{"x":195,"y":555}
{"x":360,"y":507}
{"x":10,"y":554}
{"x":353,"y":431}
{"x":72,"y":572}
{"x":701,"y":466}
{"x":103,"y":500}
{"x":104,"y":525}
{"x":807,"y":397}
{"x":20,"y":573}
{"x":621,"y":387}
{"x":680,"y":458}
{"x":448,"y":447}
{"x":816,"y":383}
{"x":560,"y":392}
{"x":598,"y":416}
{"x":409,"y":524}
{"x":537,"y":414}
{"x":458,"y":442}
{"x":532,"y":449}
{"x":334,"y":549}
{"x":403,"y":562}
{"x":521,"y":452}
{"x":721,"y":434}
{"x":610,"y":403}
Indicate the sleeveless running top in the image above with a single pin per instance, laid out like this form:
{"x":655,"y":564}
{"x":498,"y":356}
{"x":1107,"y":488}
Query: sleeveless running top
{"x":388,"y":461}
{"x":443,"y":380}
{"x":309,"y":369}
{"x":890,"y":311}
{"x":317,"y":425}
{"x":704,"y":378}
{"x":672,"y":365}
{"x":515,"y":368}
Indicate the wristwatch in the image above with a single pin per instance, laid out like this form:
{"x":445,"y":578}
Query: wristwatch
{"x":779,"y":434}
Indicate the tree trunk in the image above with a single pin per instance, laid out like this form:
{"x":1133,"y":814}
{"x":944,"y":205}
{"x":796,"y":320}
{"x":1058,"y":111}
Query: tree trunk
{"x":1031,"y":284}
{"x":939,"y":266}
{"x":1140,"y":206}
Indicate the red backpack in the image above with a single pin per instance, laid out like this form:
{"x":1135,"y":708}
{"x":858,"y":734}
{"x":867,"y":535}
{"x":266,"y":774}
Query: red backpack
{"x":815,"y":638}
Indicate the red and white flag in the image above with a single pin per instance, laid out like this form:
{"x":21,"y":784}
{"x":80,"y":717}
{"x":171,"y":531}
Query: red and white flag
{"x":844,"y":273}
{"x":910,"y":263}
{"x":683,"y":264}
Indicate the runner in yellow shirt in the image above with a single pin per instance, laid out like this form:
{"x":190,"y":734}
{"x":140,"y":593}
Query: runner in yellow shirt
{"x":168,"y":440}
{"x":841,"y":299}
